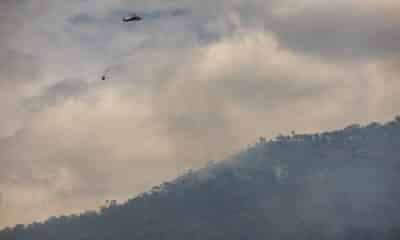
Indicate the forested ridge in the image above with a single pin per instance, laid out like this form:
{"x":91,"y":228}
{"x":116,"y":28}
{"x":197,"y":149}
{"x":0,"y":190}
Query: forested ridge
{"x":342,"y":184}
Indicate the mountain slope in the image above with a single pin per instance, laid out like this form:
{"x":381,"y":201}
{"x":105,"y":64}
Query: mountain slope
{"x":336,"y":185}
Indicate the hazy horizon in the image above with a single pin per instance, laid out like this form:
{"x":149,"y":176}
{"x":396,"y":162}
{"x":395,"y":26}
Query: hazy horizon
{"x":192,"y":82}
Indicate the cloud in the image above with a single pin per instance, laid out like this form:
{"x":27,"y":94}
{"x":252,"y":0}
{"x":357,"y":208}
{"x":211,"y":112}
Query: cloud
{"x":57,"y":94}
{"x":19,"y":75}
{"x":82,"y":18}
{"x":247,"y":74}
{"x":344,"y":30}
{"x":197,"y":82}
{"x":7,"y":15}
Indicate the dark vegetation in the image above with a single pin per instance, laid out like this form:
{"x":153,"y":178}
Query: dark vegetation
{"x":336,"y":185}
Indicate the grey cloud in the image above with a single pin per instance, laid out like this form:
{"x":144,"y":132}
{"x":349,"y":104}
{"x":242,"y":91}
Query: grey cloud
{"x":156,"y":14}
{"x":9,"y":20}
{"x":10,"y":25}
{"x":15,"y":15}
{"x":58,"y":93}
{"x":17,"y":68}
{"x":339,"y":32}
{"x":82,"y":18}
{"x":66,"y":88}
{"x":19,"y":73}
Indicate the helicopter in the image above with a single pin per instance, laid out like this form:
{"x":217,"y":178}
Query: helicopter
{"x":131,"y":18}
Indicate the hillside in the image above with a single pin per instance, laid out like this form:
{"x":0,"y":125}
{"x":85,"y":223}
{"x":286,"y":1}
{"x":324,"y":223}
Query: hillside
{"x":334,"y":185}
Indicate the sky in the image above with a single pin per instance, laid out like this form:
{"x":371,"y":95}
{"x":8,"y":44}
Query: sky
{"x":194,"y":81}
